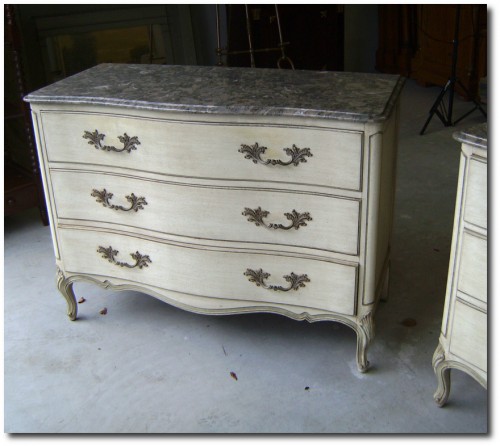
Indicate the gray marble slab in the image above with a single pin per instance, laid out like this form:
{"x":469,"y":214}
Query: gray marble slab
{"x":221,"y":90}
{"x":476,"y":135}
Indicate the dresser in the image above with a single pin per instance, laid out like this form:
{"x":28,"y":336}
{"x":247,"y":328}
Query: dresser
{"x":463,"y":343}
{"x":224,"y":190}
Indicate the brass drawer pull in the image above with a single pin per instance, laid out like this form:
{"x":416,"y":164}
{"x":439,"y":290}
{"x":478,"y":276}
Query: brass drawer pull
{"x":257,"y":216}
{"x":254,"y":153}
{"x":95,"y":138}
{"x":259,"y":277}
{"x":104,"y":196}
{"x":110,"y":253}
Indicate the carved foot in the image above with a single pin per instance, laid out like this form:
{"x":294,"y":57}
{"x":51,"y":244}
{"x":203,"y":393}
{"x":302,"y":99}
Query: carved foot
{"x":442,"y":371}
{"x":65,"y":286}
{"x":365,"y":332}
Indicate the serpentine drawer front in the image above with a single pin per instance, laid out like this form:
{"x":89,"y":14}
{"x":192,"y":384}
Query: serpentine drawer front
{"x":281,"y":154}
{"x":463,"y":343}
{"x":224,"y":190}
{"x":221,"y":213}
{"x":210,"y":273}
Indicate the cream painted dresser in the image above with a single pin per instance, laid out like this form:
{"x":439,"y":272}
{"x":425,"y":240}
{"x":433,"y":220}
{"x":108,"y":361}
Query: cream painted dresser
{"x":463,"y":343}
{"x":224,"y":190}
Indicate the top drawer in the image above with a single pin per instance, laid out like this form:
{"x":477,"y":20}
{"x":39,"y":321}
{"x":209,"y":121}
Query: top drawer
{"x":226,"y":151}
{"x":476,"y":194}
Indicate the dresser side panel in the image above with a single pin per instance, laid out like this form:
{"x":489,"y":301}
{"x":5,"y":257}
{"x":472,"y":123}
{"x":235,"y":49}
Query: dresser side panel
{"x":386,"y":196}
{"x":451,"y":284}
{"x":46,"y":178}
{"x":371,"y":199}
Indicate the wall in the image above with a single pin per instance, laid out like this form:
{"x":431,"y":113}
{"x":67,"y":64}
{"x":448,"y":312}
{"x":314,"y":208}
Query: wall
{"x":39,"y":22}
{"x":360,"y":37}
{"x":193,"y":34}
{"x":204,"y":24}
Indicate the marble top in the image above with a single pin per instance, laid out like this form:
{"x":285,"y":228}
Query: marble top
{"x":476,"y":135}
{"x":221,"y":90}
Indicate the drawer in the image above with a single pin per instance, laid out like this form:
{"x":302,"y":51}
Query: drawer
{"x":473,"y":266}
{"x":206,"y":149}
{"x":202,"y":272}
{"x":476,"y":194}
{"x":469,"y":338}
{"x":220,"y":213}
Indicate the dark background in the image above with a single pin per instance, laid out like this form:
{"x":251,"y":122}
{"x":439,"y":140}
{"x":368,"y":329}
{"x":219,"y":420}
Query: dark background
{"x":45,"y":43}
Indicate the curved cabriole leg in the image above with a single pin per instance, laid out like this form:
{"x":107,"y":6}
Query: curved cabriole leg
{"x":365,"y":332}
{"x":65,"y":286}
{"x":442,"y":371}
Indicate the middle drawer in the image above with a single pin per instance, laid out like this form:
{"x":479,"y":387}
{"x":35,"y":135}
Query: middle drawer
{"x":210,"y":212}
{"x":473,"y":266}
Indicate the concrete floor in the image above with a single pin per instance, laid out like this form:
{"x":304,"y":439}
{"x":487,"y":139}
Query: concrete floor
{"x":147,"y":367}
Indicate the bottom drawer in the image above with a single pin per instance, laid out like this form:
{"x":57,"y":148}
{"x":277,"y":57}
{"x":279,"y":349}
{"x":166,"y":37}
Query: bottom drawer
{"x":212,"y":273}
{"x":469,"y":338}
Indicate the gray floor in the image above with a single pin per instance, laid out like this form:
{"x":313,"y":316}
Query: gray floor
{"x":148,"y":367}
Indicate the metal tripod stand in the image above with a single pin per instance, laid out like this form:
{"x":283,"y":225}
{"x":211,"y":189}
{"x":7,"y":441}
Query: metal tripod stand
{"x":439,"y":107}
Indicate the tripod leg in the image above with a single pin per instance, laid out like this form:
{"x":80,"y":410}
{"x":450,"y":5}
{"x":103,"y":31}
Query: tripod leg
{"x":474,"y":100}
{"x":480,"y":107}
{"x":434,"y":108}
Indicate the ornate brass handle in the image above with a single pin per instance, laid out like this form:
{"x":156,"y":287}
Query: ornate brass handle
{"x":259,"y":277}
{"x":141,"y":260}
{"x":257,"y":216}
{"x":104,"y":196}
{"x":254,"y":153}
{"x":95,"y":138}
